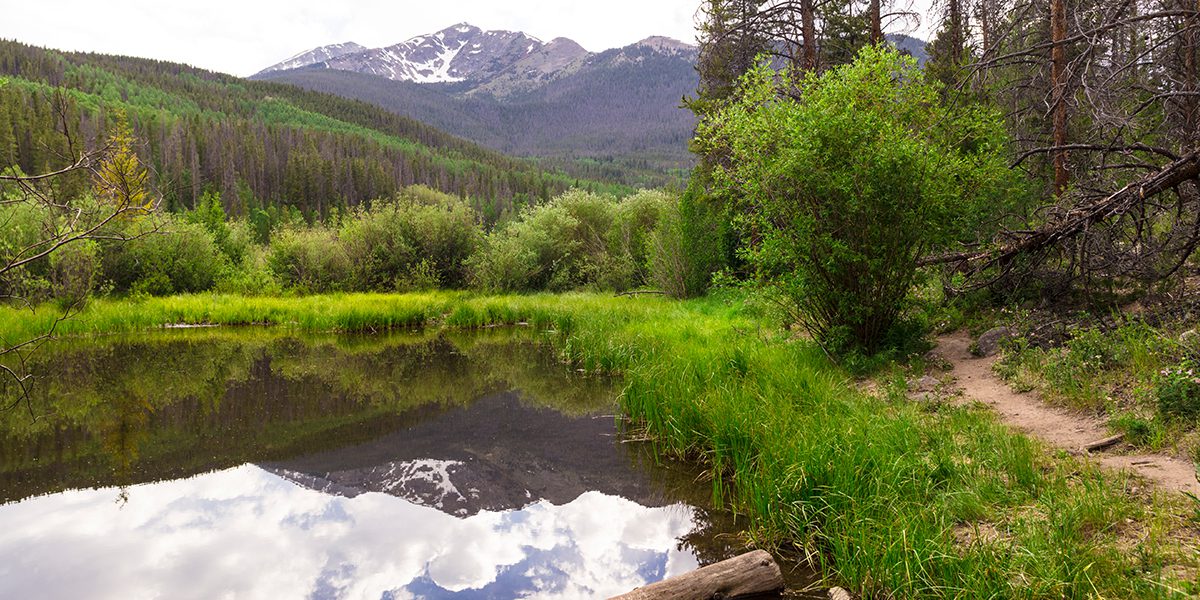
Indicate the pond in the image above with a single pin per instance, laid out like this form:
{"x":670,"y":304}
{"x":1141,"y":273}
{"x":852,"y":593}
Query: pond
{"x":261,"y":464}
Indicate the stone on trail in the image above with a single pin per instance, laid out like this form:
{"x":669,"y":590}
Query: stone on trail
{"x":989,"y":343}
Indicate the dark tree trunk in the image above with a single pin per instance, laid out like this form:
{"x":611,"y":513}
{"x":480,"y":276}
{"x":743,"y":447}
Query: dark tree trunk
{"x":1058,"y":84}
{"x":808,"y":24}
{"x":876,"y":22}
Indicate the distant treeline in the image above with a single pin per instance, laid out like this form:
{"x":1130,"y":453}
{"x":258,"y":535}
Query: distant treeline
{"x":417,"y":239}
{"x":256,"y":144}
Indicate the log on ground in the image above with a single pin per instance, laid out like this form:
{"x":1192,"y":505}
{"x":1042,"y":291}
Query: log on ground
{"x":746,"y":576}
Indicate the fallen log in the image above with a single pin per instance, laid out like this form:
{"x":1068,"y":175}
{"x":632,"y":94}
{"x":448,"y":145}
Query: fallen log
{"x":751,"y":574}
{"x":1107,"y":442}
{"x":1077,"y":220}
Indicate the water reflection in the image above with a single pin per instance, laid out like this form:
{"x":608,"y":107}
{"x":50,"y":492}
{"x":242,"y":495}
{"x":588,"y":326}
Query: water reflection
{"x":258,"y":464}
{"x":248,"y":533}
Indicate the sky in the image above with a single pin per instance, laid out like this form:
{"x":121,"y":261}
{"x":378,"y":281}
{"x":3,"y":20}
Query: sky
{"x":241,"y":37}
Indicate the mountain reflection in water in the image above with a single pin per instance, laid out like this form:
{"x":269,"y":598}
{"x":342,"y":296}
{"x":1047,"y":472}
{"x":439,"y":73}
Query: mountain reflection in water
{"x":247,"y":533}
{"x":260,"y":464}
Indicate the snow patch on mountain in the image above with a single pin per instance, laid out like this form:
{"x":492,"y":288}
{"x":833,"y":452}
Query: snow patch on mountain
{"x":315,"y":56}
{"x":497,"y":61}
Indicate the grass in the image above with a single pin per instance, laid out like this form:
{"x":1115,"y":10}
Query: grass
{"x":891,"y":499}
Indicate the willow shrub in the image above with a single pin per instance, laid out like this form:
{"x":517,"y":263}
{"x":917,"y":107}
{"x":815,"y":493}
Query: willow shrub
{"x":576,"y":240}
{"x":849,"y":177}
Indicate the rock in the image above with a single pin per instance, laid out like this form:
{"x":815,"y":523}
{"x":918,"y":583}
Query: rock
{"x":838,"y":593}
{"x":1189,"y":338}
{"x":924,"y":384}
{"x":989,"y":343}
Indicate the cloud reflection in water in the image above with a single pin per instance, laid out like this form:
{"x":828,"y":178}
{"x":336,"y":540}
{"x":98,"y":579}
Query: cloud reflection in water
{"x":247,"y":533}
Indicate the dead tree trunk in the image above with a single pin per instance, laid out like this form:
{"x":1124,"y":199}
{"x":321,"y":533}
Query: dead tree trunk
{"x":748,"y":575}
{"x":1079,"y":219}
{"x":1058,"y":85}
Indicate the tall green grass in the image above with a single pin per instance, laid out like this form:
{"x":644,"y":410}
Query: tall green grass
{"x":890,"y":498}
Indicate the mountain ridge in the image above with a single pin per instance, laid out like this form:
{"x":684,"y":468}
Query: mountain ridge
{"x":498,"y":62}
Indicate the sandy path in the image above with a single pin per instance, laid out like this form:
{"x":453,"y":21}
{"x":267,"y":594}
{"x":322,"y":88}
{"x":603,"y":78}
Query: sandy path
{"x":1055,"y":426}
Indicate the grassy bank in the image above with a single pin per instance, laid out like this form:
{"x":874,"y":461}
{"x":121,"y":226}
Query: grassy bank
{"x":892,"y":498}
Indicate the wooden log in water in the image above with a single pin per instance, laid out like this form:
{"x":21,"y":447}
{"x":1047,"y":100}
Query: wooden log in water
{"x":751,"y":574}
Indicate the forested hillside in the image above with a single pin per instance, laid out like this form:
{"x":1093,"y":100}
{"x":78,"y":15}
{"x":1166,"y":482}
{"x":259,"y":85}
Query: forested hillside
{"x":256,"y":143}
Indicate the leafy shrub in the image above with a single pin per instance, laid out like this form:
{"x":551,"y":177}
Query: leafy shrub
{"x":1178,"y":392}
{"x":578,"y":239}
{"x":21,"y":227}
{"x":444,"y":230}
{"x":535,"y":252}
{"x":73,"y":271}
{"x":848,"y":178}
{"x":309,"y":260}
{"x":164,"y":256}
{"x":420,"y":233}
{"x":377,"y":245}
{"x":688,"y":245}
{"x":251,"y":277}
{"x":630,"y":239}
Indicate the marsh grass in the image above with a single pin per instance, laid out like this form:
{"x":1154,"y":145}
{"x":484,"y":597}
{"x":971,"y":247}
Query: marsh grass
{"x":888,"y":497}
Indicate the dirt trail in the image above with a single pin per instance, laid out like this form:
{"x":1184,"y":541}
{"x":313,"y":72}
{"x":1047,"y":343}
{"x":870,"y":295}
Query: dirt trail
{"x":1055,"y":426}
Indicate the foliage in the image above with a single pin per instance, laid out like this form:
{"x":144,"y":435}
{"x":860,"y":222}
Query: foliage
{"x":1178,"y":392}
{"x":848,"y":178}
{"x":74,"y":271}
{"x":691,"y":243}
{"x":163,"y":256}
{"x":576,"y":240}
{"x":21,"y":228}
{"x":121,"y":181}
{"x":310,"y":259}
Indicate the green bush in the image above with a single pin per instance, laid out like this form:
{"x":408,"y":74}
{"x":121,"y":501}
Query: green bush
{"x":688,"y":245}
{"x":309,"y":260}
{"x":250,"y":277}
{"x":848,"y":178}
{"x":421,"y":235}
{"x":1178,"y":392}
{"x":21,"y":228}
{"x":576,"y":240}
{"x":444,"y":231}
{"x":73,"y":271}
{"x":164,"y":256}
{"x":377,"y":245}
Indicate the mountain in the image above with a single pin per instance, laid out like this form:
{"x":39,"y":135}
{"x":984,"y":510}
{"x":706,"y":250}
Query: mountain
{"x":316,"y":55}
{"x":614,"y":115}
{"x":908,"y":44}
{"x":261,"y":145}
{"x":459,"y":53}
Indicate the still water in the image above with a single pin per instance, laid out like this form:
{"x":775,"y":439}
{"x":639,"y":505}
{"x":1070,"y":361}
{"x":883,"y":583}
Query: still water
{"x":256,"y":464}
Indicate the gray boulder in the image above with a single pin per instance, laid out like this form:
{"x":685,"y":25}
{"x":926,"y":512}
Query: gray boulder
{"x":989,"y":343}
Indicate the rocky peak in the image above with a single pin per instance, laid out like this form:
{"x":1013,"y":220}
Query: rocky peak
{"x":315,"y":56}
{"x":666,"y":45}
{"x":497,"y":62}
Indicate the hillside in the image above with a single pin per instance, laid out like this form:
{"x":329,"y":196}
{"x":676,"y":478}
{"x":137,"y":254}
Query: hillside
{"x":257,"y":143}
